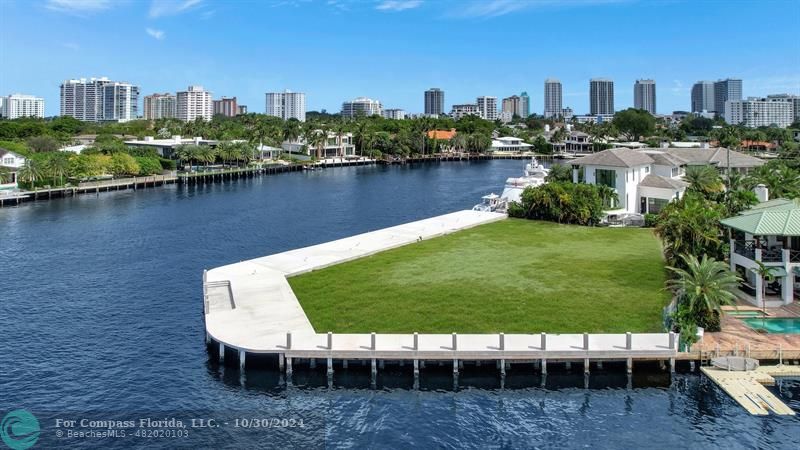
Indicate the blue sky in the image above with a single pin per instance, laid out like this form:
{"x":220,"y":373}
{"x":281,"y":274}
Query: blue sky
{"x":393,"y":50}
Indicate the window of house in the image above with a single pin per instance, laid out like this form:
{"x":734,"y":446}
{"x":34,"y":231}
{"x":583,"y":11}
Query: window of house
{"x":606,"y":177}
{"x":655,"y":205}
{"x":647,"y":169}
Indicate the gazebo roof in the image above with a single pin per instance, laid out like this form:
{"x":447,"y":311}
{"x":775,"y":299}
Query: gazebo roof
{"x":781,"y":217}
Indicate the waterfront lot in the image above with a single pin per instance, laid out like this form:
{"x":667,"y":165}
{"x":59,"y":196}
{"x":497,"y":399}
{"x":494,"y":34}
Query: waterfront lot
{"x":514,"y":276}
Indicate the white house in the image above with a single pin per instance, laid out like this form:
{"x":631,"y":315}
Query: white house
{"x":509,"y":144}
{"x":335,"y":146}
{"x":645,"y":180}
{"x":12,"y":162}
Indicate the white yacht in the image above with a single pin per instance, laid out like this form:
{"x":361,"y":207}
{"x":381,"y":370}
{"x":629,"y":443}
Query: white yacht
{"x":534,"y":175}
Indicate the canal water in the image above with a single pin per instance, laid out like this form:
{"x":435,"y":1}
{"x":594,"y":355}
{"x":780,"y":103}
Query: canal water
{"x":102,"y":320}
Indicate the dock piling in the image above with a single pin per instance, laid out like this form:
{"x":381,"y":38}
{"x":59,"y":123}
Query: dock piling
{"x":455,"y":342}
{"x":330,"y":367}
{"x":241,"y":359}
{"x":585,"y":340}
{"x":628,"y":340}
{"x":544,"y":342}
{"x":416,"y":341}
{"x":502,"y":344}
{"x":629,"y":365}
{"x":544,"y":365}
{"x":330,"y":340}
{"x":221,"y":353}
{"x":288,"y":341}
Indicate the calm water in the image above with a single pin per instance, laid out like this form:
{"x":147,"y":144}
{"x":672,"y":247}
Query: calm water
{"x":102,"y":319}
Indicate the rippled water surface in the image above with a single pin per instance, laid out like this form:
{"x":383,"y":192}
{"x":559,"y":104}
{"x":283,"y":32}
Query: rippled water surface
{"x":102,"y":318}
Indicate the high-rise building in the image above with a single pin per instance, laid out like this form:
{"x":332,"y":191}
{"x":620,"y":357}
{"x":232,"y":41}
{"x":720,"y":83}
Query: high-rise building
{"x":241,"y":110}
{"x":759,"y":112}
{"x":193,"y":103}
{"x":287,"y":105}
{"x":644,"y":95}
{"x":434,"y":101}
{"x":120,"y":102}
{"x":394,"y":113}
{"x":516,"y":105}
{"x":487,"y":107}
{"x":552,"y":98}
{"x":99,"y":99}
{"x":525,"y":105}
{"x":726,"y":90}
{"x":160,"y":106}
{"x":793,"y":99}
{"x":468,"y":109}
{"x":601,"y":96}
{"x":15,"y":106}
{"x":361,"y":107}
{"x":703,"y":97}
{"x":225,"y":107}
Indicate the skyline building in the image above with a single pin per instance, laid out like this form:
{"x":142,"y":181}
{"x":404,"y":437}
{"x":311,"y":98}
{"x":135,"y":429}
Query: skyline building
{"x":793,"y":99}
{"x":286,"y":105}
{"x":525,"y":106}
{"x":552,"y":98}
{"x":361,"y":107}
{"x":434,"y":101}
{"x":702,"y":97}
{"x":644,"y":95}
{"x":465,"y":109}
{"x":729,"y":89}
{"x":757,"y":112}
{"x":487,"y":107}
{"x":516,"y":105}
{"x":15,"y":106}
{"x":160,"y":106}
{"x":601,"y":96}
{"x":394,"y":114}
{"x":225,"y":106}
{"x":99,"y":100}
{"x":193,"y":103}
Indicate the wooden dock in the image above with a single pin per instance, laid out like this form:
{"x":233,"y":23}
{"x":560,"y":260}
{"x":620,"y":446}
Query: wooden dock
{"x":747,"y":388}
{"x":89,"y":187}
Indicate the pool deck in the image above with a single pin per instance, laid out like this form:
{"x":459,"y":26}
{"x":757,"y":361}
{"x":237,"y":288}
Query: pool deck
{"x":736,"y":338}
{"x":250,"y":307}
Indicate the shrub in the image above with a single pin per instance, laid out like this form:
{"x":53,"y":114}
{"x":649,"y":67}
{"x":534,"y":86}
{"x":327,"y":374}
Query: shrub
{"x":563,"y":203}
{"x":148,"y":165}
{"x":650,"y":220}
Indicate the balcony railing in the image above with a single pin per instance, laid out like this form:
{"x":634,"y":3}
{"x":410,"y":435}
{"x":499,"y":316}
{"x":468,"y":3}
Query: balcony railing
{"x":745,"y":248}
{"x":772,"y":255}
{"x":794,"y":256}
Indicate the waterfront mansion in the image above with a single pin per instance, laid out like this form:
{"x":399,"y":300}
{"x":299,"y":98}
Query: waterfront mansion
{"x":647,"y":179}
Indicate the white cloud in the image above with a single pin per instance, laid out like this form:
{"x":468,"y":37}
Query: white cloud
{"x":398,"y":5}
{"x":161,"y":8}
{"x":158,"y":34}
{"x":77,"y":6}
{"x":495,"y":8}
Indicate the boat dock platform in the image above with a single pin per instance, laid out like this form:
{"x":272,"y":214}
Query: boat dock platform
{"x":250,"y":308}
{"x":747,"y":387}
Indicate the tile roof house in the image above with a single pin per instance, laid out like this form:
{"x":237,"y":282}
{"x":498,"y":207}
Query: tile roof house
{"x":645,"y":180}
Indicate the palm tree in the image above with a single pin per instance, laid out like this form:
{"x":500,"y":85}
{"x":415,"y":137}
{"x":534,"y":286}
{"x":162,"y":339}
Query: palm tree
{"x":58,"y":166}
{"x":459,"y":142}
{"x":228,"y":151}
{"x":704,"y":180}
{"x":340,"y":129}
{"x":318,"y":140}
{"x":207,"y":155}
{"x":703,"y":287}
{"x":29,"y":172}
{"x":730,"y":138}
{"x":608,"y":195}
{"x":690,"y":226}
{"x":767,"y":276}
{"x":559,"y":172}
{"x":5,"y":175}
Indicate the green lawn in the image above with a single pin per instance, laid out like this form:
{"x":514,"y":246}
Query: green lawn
{"x":514,"y":276}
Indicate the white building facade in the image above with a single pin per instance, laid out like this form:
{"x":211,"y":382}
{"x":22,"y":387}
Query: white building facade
{"x":194,"y":103}
{"x":99,"y":100}
{"x":361,"y":107}
{"x":11,"y":162}
{"x":160,"y":106}
{"x":19,"y":105}
{"x":467,"y":109}
{"x":487,"y":107}
{"x":759,"y":112}
{"x":286,"y":105}
{"x":552,"y":98}
{"x":394,"y":114}
{"x":793,"y":99}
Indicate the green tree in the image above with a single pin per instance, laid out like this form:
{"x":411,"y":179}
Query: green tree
{"x":703,"y":286}
{"x":690,"y":226}
{"x":43,"y":143}
{"x":633,"y":123}
{"x":58,"y":167}
{"x":30,"y":172}
{"x":559,"y":172}
{"x":704,"y":180}
{"x":123,"y":164}
{"x":779,"y":178}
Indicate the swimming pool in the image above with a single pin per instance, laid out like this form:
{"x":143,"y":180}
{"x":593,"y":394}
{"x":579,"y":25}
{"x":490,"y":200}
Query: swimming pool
{"x":787,"y":325}
{"x":745,"y":313}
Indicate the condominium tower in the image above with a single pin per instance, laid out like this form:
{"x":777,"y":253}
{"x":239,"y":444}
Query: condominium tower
{"x":287,"y":105}
{"x":468,"y":109}
{"x":552,"y":98}
{"x":703,"y":97}
{"x":160,"y":106}
{"x":644,"y":95}
{"x":601,"y":96}
{"x":194,"y":103}
{"x":434,"y":101}
{"x":361,"y":107}
{"x":516,"y":105}
{"x":726,"y":90}
{"x":793,"y":99}
{"x":394,"y":114}
{"x":99,"y":99}
{"x":759,"y":112}
{"x":225,"y":107}
{"x":487,"y":107}
{"x":15,"y":106}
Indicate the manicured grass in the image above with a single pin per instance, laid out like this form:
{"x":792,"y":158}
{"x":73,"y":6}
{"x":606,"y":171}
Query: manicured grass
{"x":514,"y":276}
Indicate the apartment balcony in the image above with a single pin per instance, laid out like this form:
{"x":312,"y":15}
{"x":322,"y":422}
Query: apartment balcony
{"x":774,"y":254}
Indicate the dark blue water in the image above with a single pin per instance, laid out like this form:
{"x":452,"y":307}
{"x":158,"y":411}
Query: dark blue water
{"x":102,"y":319}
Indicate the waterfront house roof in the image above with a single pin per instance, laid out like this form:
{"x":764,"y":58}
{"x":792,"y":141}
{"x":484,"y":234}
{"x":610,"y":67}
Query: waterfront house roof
{"x":615,"y":157}
{"x":666,"y":159}
{"x":717,"y":156}
{"x":657,"y":181}
{"x":442,"y":134}
{"x":779,"y":218}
